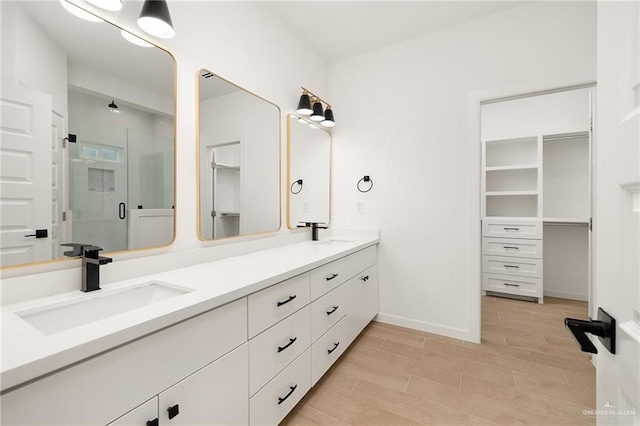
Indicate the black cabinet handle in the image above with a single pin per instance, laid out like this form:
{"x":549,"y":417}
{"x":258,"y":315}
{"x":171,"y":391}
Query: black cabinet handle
{"x":332,"y":276}
{"x":292,"y":389}
{"x":291,"y":342}
{"x":511,"y":266}
{"x":511,"y":229}
{"x":365,"y":278}
{"x":173,"y":411}
{"x":154,"y":422}
{"x":511,"y":285}
{"x":511,"y":247}
{"x":287,"y":301}
{"x":122,"y":211}
{"x":335,"y":308}
{"x":335,"y":346}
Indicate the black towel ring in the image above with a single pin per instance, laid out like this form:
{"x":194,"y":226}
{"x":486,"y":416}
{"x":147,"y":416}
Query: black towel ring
{"x":365,"y":179}
{"x":299,"y":182}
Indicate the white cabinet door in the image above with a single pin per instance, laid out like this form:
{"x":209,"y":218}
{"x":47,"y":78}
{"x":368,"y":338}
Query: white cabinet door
{"x":214,"y":395}
{"x":362,"y":300}
{"x":139,"y":416}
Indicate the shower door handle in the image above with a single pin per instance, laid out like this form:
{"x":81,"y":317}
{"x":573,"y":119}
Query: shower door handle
{"x":122,"y":213}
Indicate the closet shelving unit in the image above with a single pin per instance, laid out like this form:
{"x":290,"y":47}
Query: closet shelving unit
{"x":226,"y":190}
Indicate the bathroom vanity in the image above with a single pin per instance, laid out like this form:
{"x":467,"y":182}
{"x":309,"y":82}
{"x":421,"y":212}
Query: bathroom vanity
{"x":235,"y":341}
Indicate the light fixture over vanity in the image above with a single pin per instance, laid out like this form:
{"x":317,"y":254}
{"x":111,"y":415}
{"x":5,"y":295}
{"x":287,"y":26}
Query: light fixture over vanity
{"x":155,"y":19}
{"x":315,"y":112}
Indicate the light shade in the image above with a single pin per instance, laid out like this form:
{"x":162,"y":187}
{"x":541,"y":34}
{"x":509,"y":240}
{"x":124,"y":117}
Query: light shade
{"x":79,"y":12}
{"x":155,"y":19}
{"x":304,"y":105}
{"x":328,"y":121}
{"x":318,"y":114}
{"x":107,"y":4}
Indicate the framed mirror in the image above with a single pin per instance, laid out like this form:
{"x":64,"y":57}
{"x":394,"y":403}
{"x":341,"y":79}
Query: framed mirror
{"x":309,"y":172}
{"x":238,"y":159}
{"x":88,"y":132}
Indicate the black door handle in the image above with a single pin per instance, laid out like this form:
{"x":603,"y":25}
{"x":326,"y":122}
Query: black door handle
{"x":40,"y":233}
{"x":173,"y":411}
{"x":604,"y":328}
{"x":154,"y":422}
{"x":291,"y":342}
{"x":122,"y":211}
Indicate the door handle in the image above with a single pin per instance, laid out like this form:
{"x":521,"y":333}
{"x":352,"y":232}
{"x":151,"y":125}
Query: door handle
{"x":40,"y":233}
{"x":604,"y":328}
{"x":122,"y":213}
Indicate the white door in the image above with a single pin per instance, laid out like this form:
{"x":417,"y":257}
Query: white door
{"x":617,"y":219}
{"x":58,"y":185}
{"x":25,"y":175}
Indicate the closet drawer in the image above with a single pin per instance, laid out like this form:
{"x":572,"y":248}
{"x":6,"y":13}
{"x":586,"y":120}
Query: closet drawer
{"x":512,"y":247}
{"x":361,"y":260}
{"x":512,"y":266}
{"x":280,"y":395}
{"x":508,"y":228}
{"x":531,"y":287}
{"x":277,"y":302}
{"x":328,"y":349}
{"x":327,"y":311}
{"x":327,"y":277}
{"x":275,"y":348}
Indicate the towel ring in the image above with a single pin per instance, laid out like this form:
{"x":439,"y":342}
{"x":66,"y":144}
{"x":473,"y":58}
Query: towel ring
{"x":365,"y":179}
{"x":299,"y":182}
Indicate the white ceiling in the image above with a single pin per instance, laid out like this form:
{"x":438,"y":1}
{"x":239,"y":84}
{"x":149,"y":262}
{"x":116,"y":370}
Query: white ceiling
{"x":341,"y":29}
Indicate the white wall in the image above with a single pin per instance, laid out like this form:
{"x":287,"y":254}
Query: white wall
{"x":403,"y":118}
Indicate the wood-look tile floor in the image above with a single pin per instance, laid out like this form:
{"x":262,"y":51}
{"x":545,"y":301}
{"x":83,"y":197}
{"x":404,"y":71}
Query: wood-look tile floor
{"x":528,"y":370}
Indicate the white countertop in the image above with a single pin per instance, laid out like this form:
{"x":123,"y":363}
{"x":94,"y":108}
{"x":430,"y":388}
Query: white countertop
{"x":28,"y":354}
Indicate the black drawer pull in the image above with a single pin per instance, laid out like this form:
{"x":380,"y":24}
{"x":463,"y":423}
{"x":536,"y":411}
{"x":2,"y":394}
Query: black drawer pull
{"x":511,"y":247}
{"x":154,"y":422}
{"x":173,"y":411}
{"x":287,"y":301}
{"x":511,"y":285}
{"x":291,"y":342}
{"x":335,"y":346}
{"x":335,"y":308}
{"x":292,"y":388}
{"x":332,"y":276}
{"x":511,"y":229}
{"x":511,"y":266}
{"x":365,"y":278}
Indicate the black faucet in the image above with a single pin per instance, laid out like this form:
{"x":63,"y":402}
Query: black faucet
{"x":314,"y":229}
{"x":91,"y":261}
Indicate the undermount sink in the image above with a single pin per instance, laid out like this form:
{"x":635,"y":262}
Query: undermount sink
{"x":334,"y":241}
{"x":61,"y":316}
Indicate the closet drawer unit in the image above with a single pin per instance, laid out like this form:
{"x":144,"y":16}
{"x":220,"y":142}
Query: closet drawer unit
{"x":280,"y":395}
{"x":512,"y":247}
{"x":328,"y":349}
{"x":327,"y":311}
{"x":327,"y":277}
{"x":277,"y":302}
{"x":275,"y":348}
{"x":361,"y":260}
{"x":516,"y":228}
{"x":531,"y":287}
{"x":521,"y":267}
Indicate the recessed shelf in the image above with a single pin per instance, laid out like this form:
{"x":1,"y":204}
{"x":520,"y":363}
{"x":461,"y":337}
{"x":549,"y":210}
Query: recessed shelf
{"x":569,"y":220}
{"x":223,"y":166}
{"x":509,"y":193}
{"x":512,"y":167}
{"x":229,"y":214}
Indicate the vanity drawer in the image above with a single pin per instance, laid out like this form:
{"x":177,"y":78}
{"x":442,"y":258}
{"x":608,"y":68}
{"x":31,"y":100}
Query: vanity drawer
{"x":327,"y":311}
{"x":531,"y":287}
{"x":327,"y":277}
{"x":516,"y":228}
{"x":328,"y":349}
{"x":361,"y":260}
{"x":275,"y":348}
{"x":521,"y":267}
{"x":280,"y":395}
{"x":512,"y":247}
{"x":277,"y":302}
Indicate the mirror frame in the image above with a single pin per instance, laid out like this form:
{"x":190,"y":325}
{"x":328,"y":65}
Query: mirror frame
{"x":10,"y":271}
{"x":289,"y":117}
{"x":199,"y":171}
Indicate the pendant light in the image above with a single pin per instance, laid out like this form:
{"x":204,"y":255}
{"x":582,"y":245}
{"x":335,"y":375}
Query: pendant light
{"x":107,"y":4}
{"x":318,"y":113}
{"x":155,"y":19}
{"x":328,"y":118}
{"x":304,"y":104}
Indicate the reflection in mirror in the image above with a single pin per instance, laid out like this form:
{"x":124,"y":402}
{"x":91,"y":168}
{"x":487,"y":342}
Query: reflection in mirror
{"x":95,"y":165}
{"x":309,"y":172}
{"x":239,"y":160}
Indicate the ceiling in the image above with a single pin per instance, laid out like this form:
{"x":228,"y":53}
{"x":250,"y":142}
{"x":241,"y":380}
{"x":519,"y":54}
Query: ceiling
{"x":341,"y":29}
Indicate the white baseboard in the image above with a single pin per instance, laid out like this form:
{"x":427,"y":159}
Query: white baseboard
{"x":456,"y":333}
{"x":572,"y":295}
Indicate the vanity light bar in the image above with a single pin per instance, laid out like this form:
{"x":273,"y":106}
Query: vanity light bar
{"x":316,"y":112}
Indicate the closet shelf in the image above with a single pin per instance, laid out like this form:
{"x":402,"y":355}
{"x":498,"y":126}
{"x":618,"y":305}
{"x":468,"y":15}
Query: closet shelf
{"x":509,"y":193}
{"x":229,"y":213}
{"x":512,"y":167}
{"x":223,"y":166}
{"x":566,"y":220}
